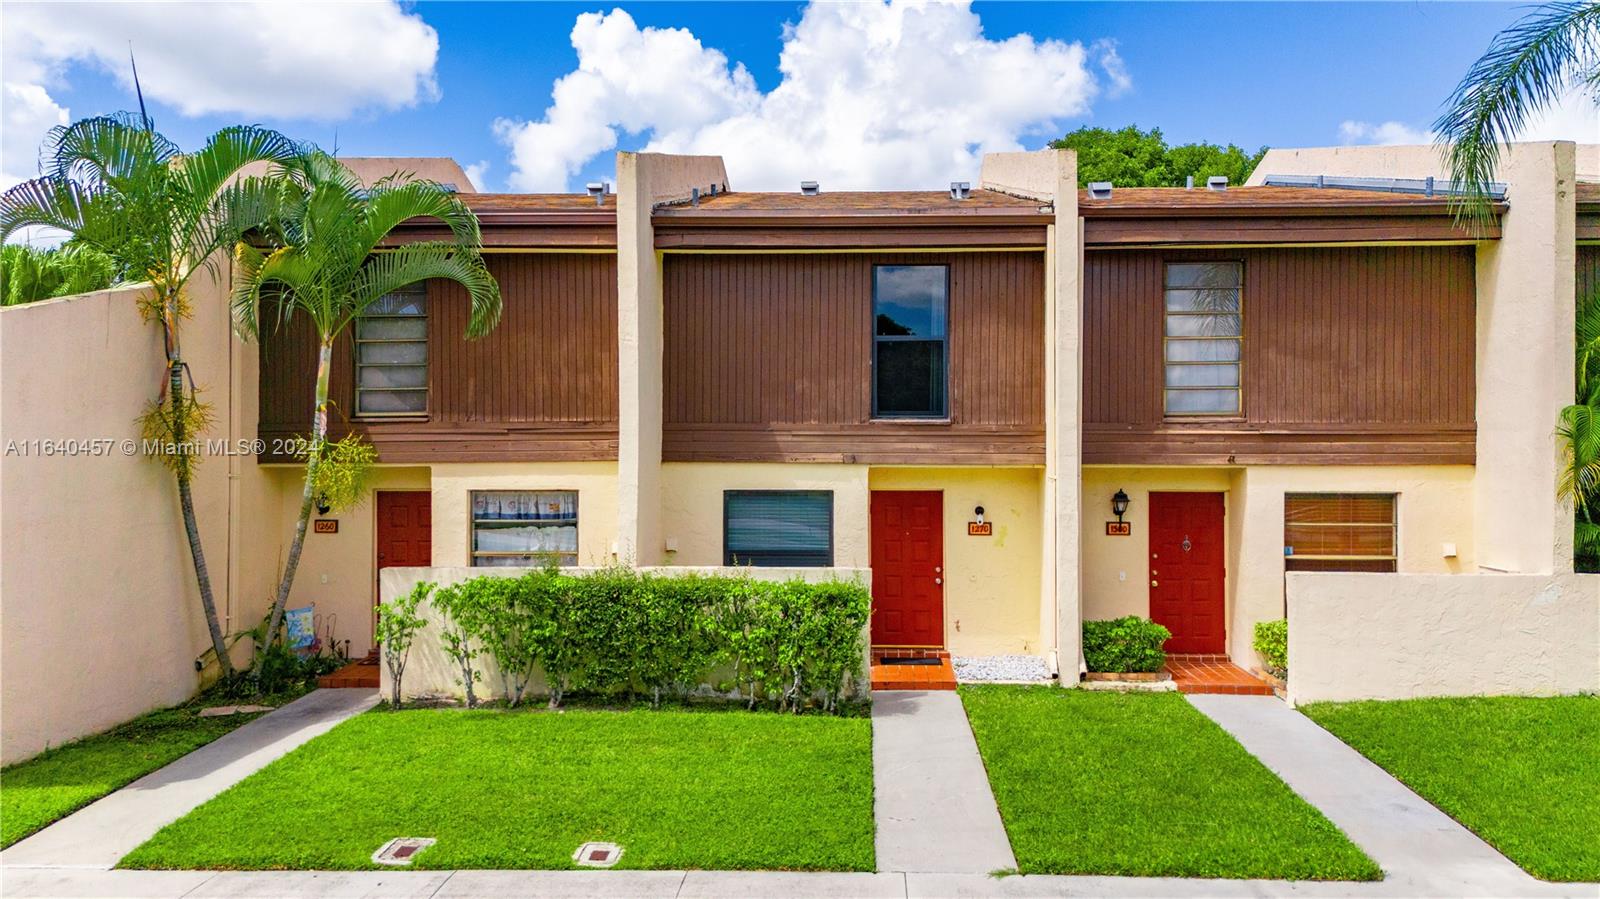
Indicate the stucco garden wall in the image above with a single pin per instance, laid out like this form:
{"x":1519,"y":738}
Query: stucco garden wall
{"x":1400,"y":636}
{"x":100,"y":617}
{"x":431,"y":674}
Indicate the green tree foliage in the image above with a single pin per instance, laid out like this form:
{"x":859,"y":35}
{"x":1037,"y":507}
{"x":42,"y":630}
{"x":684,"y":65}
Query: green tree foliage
{"x":28,"y":274}
{"x":398,"y":623}
{"x":1124,"y":645}
{"x":1129,"y":157}
{"x":1579,"y":432}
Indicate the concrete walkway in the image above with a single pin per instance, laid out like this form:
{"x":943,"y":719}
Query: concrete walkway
{"x":100,"y":834}
{"x":1419,"y":847}
{"x":932,"y":804}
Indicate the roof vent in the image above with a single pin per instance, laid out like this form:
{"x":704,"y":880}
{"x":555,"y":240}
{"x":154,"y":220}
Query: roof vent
{"x":960,"y":190}
{"x":810,"y":188}
{"x":1099,"y":190}
{"x":1188,"y":183}
{"x":1217,"y":182}
{"x":598,"y":190}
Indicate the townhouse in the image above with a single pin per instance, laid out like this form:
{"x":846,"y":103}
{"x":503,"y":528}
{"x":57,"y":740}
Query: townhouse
{"x":1018,"y":404}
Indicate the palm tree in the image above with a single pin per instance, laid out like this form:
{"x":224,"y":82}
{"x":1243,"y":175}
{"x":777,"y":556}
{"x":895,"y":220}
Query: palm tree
{"x":28,"y":275}
{"x":329,"y":267}
{"x":1527,"y":67}
{"x":117,"y":185}
{"x":1579,"y":430}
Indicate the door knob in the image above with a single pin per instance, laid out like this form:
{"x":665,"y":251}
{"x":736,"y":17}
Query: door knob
{"x":938,"y":580}
{"x":1154,"y":584}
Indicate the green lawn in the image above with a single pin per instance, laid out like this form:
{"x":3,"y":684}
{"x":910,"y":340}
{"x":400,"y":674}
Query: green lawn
{"x":1143,"y":784}
{"x":523,"y":789}
{"x":1521,"y":772}
{"x":60,"y":781}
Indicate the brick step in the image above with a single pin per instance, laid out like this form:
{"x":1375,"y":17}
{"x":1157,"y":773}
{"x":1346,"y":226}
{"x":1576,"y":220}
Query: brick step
{"x":913,"y":677}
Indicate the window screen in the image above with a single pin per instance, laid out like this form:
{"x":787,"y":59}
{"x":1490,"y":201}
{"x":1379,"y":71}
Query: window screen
{"x":778,"y":528}
{"x":392,"y":355}
{"x":524,"y":527}
{"x":1339,"y":532}
{"x":909,"y":310}
{"x":1204,"y":338}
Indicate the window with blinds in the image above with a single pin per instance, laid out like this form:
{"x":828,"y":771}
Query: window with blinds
{"x":524,"y":527}
{"x":392,"y":355}
{"x":1204,"y":338}
{"x":778,"y":528}
{"x":1339,"y":532}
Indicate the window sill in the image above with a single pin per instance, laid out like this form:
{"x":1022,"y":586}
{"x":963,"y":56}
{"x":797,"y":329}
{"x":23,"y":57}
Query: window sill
{"x":387,"y":419}
{"x":909,"y":420}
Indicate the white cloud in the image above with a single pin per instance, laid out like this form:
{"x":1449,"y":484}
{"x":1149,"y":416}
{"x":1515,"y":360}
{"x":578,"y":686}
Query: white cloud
{"x":257,"y":59}
{"x":1106,"y":55}
{"x":895,"y":94}
{"x":478,"y":174}
{"x":1353,"y":132}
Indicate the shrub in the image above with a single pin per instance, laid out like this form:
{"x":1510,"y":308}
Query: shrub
{"x":1124,"y":644}
{"x":1272,"y":644}
{"x":621,"y":632}
{"x":398,"y":623}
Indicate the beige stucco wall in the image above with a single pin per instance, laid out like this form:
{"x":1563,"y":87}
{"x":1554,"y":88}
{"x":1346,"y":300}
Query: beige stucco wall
{"x":991,"y":584}
{"x":691,"y":504}
{"x":338,"y":572}
{"x":1366,"y":636}
{"x":1052,"y":176}
{"x":595,"y":482}
{"x":100,"y":617}
{"x":1434,"y":508}
{"x":644,"y":181}
{"x":431,"y":673}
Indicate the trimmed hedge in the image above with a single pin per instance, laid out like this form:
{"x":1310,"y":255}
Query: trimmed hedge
{"x":621,"y":632}
{"x":1124,"y":645}
{"x":1271,"y":642}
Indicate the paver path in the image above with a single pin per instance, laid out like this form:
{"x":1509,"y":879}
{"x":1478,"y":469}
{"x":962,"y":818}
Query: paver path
{"x":1416,"y":844}
{"x":100,"y":834}
{"x":932,"y":803}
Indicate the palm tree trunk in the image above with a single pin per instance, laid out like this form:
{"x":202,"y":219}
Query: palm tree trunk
{"x":319,"y":431}
{"x":191,"y":528}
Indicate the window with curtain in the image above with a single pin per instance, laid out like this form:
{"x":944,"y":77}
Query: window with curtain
{"x":1339,"y":532}
{"x":392,"y":355}
{"x":778,"y":528}
{"x":524,"y":527}
{"x":910,"y":304}
{"x":1204,"y":338}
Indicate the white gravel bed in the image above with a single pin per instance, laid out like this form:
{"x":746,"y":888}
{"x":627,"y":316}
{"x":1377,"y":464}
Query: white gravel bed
{"x":1000,"y":669}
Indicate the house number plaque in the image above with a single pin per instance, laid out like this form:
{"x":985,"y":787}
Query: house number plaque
{"x":1119,"y":528}
{"x":325,"y":526}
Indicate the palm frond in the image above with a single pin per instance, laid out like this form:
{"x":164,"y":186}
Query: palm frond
{"x":391,"y":203}
{"x":283,"y":276}
{"x":414,"y":263}
{"x":1525,"y":70}
{"x":1579,"y":431}
{"x":50,"y":202}
{"x":113,"y":150}
{"x":201,"y":175}
{"x":243,"y":206}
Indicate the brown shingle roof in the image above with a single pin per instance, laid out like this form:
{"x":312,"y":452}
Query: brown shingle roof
{"x":858,"y":202}
{"x":1140,"y":200}
{"x":538,"y":203}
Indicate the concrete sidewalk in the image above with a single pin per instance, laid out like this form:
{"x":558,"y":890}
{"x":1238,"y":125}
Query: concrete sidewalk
{"x":100,"y":834}
{"x":932,"y":803}
{"x":1419,"y":847}
{"x":39,"y":883}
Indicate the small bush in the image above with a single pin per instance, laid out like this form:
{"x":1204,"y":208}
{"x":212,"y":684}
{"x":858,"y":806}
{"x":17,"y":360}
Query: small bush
{"x":620,"y":632}
{"x":1272,"y":644}
{"x":1124,"y":645}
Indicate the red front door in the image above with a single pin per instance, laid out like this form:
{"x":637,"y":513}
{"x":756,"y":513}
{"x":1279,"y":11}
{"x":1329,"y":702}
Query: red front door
{"x":1186,"y":571}
{"x":405,"y":528}
{"x":907,"y":568}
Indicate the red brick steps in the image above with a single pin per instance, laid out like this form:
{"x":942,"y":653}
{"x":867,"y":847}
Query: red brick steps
{"x":889,"y":676}
{"x":1214,"y":674}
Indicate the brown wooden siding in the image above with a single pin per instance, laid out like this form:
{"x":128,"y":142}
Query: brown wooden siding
{"x":1588,"y":271}
{"x":769,"y":358}
{"x":1351,"y":355}
{"x":540,"y":387}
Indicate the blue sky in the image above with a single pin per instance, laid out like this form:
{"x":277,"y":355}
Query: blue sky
{"x":1253,"y":74}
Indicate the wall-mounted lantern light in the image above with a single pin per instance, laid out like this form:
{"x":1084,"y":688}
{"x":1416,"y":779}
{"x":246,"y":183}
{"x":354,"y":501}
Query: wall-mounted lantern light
{"x":979,"y":513}
{"x":322,"y":504}
{"x":1119,"y":504}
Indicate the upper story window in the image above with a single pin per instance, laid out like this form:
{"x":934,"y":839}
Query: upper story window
{"x":392,"y":355}
{"x":1339,"y":532}
{"x":910,"y":306}
{"x":1204,"y":338}
{"x":524,"y":527}
{"x":779,"y":528}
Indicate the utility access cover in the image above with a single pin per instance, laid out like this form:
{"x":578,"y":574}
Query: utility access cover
{"x":401,"y":850}
{"x":597,"y":855}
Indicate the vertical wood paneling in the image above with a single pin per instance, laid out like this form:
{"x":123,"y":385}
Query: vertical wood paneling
{"x":1333,"y":336}
{"x":785,"y":340}
{"x":553,"y":358}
